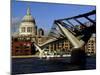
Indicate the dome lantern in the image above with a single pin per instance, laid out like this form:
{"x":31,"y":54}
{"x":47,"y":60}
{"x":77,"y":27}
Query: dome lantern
{"x":28,"y":11}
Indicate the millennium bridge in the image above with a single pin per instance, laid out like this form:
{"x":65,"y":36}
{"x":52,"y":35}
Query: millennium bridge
{"x":65,"y":28}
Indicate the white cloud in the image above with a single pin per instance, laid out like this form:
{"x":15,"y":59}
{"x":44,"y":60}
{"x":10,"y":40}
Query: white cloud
{"x":15,"y":22}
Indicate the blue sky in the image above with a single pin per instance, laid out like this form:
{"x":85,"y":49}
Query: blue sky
{"x":45,"y":13}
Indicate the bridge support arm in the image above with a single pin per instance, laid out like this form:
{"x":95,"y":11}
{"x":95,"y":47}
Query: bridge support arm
{"x":40,"y":50}
{"x":75,"y":42}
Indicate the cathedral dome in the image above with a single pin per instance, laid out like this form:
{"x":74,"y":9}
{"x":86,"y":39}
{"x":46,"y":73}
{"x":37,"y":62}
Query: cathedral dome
{"x":27,"y":26}
{"x":28,"y":17}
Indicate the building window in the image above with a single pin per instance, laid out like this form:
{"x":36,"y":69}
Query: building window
{"x":39,"y":41}
{"x":92,"y":41}
{"x":17,"y":47}
{"x":29,"y":29}
{"x":23,"y":29}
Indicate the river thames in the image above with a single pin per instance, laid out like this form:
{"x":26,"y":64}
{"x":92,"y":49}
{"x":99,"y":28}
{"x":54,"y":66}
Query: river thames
{"x":37,"y":65}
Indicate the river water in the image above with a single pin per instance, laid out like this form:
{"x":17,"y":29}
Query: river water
{"x":37,"y":65}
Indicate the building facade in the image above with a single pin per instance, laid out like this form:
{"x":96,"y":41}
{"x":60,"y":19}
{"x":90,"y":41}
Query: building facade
{"x":61,"y":45}
{"x":91,"y":46}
